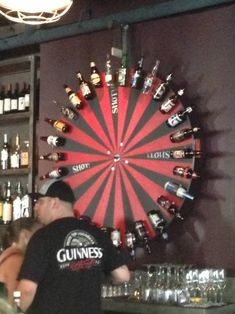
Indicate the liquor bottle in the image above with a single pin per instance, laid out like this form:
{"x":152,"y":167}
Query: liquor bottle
{"x":59,"y":125}
{"x":54,"y":141}
{"x":15,"y":154}
{"x":178,"y":118}
{"x":185,"y":172}
{"x":116,"y":238}
{"x":53,"y":156}
{"x":27,"y":98}
{"x":14,"y":99}
{"x":185,"y":153}
{"x":149,"y":80}
{"x":142,"y":235}
{"x":73,"y":97}
{"x":178,"y":190}
{"x":84,"y":86}
{"x":130,"y":239}
{"x":2,"y":96}
{"x":108,"y":71}
{"x":123,"y":71}
{"x":7,"y":100}
{"x":183,"y":134}
{"x":138,"y":76}
{"x":55,"y":173}
{"x":158,"y":222}
{"x":24,"y":155}
{"x":26,"y":204}
{"x":5,"y":154}
{"x":17,"y":202}
{"x":170,"y":103}
{"x":67,"y":112}
{"x":162,"y":89}
{"x":95,"y":75}
{"x":169,"y":206}
{"x":21,"y":98}
{"x":7,"y":205}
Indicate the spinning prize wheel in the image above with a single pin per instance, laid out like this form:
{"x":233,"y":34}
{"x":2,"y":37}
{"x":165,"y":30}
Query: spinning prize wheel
{"x":118,"y":153}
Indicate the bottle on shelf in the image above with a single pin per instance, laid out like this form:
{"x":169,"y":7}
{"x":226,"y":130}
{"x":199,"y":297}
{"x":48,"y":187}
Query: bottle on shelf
{"x":7,"y":99}
{"x":185,"y":172}
{"x":14,"y":99}
{"x":55,"y":156}
{"x":26,"y":206}
{"x":109,"y":79}
{"x":150,"y":78}
{"x":171,"y":102}
{"x":95,"y":75}
{"x":178,"y":118}
{"x":17,"y":202}
{"x":169,"y":206}
{"x":158,"y":222}
{"x":138,"y":76}
{"x":183,"y":134}
{"x":178,"y":190}
{"x":24,"y":155}
{"x":84,"y":86}
{"x":5,"y":154}
{"x":27,"y":98}
{"x":185,"y":153}
{"x":130,"y":240}
{"x":15,"y":154}
{"x":142,"y":235}
{"x":59,"y":125}
{"x":67,"y":111}
{"x":123,"y":71}
{"x":73,"y":97}
{"x":162,"y":89}
{"x":7,"y":205}
{"x":2,"y":96}
{"x":54,"y":141}
{"x":21,"y":98}
{"x":55,"y":173}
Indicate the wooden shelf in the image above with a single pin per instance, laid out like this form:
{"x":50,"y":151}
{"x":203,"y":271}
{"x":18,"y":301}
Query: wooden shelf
{"x":14,"y":172}
{"x":14,"y":117}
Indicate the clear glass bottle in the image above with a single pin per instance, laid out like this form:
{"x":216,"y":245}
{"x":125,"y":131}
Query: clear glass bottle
{"x":15,"y":154}
{"x":7,"y":205}
{"x":5,"y":153}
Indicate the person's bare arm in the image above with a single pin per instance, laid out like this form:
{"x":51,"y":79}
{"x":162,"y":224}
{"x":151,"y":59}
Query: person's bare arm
{"x":121,"y":274}
{"x":28,"y":290}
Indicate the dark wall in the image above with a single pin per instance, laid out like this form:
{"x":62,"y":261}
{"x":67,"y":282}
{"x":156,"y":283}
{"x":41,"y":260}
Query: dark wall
{"x":199,"y":49}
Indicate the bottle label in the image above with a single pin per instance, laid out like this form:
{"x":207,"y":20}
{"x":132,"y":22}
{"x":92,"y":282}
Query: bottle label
{"x":85,"y":89}
{"x":24,"y":160}
{"x":21,"y":103}
{"x":59,"y":125}
{"x":167,"y":106}
{"x":174,"y":120}
{"x":15,"y":161}
{"x":1,"y":209}
{"x":160,"y":91}
{"x":51,"y":140}
{"x":26,"y":100}
{"x":7,"y":212}
{"x":178,"y":154}
{"x":75,"y":100}
{"x":122,"y":73}
{"x":108,"y":79}
{"x":54,"y":174}
{"x":1,"y":106}
{"x":7,"y":105}
{"x":95,"y":79}
{"x":178,"y":136}
{"x":14,"y":104}
{"x":16,"y":208}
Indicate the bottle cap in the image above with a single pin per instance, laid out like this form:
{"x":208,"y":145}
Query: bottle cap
{"x":92,"y":64}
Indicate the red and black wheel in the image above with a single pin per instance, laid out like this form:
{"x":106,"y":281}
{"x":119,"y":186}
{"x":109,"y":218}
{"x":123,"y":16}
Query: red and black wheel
{"x":118,"y":156}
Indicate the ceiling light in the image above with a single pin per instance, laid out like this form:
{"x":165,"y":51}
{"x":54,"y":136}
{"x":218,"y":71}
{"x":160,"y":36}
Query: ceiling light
{"x":34,"y":12}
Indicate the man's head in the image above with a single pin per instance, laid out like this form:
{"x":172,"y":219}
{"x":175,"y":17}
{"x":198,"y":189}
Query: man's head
{"x":53,"y":201}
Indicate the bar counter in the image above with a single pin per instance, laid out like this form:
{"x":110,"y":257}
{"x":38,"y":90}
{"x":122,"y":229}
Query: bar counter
{"x":121,"y":305}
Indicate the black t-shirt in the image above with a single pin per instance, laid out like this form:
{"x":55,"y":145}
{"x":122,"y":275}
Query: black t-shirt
{"x":67,"y":259}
